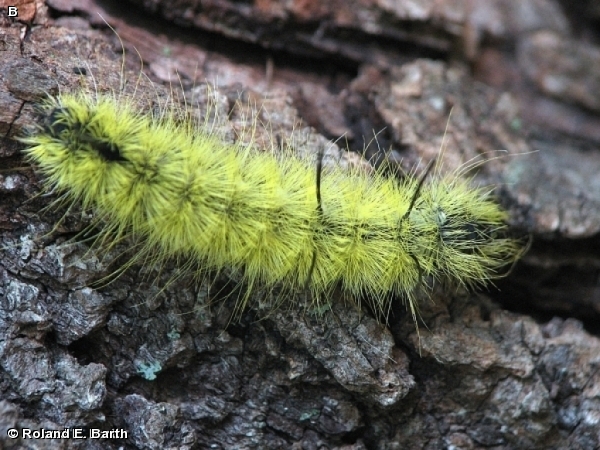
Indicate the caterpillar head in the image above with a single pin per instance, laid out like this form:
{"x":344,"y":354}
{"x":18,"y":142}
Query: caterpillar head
{"x":462,"y":234}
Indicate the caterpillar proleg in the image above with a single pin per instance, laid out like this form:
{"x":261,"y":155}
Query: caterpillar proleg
{"x":280,"y":220}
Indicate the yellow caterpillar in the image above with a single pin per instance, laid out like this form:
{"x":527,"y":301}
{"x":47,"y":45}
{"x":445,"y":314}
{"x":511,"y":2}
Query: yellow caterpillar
{"x":280,"y":220}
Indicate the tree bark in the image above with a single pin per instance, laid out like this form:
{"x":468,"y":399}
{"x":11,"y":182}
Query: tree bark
{"x":157,"y":354}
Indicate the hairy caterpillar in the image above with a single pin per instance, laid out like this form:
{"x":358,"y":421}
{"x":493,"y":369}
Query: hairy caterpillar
{"x":280,"y":220}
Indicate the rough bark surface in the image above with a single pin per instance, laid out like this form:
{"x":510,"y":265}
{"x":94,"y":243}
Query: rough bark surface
{"x":165,"y":362}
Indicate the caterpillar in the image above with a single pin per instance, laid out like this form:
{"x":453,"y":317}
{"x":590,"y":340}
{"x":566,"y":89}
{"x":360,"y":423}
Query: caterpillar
{"x":277,"y":219}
